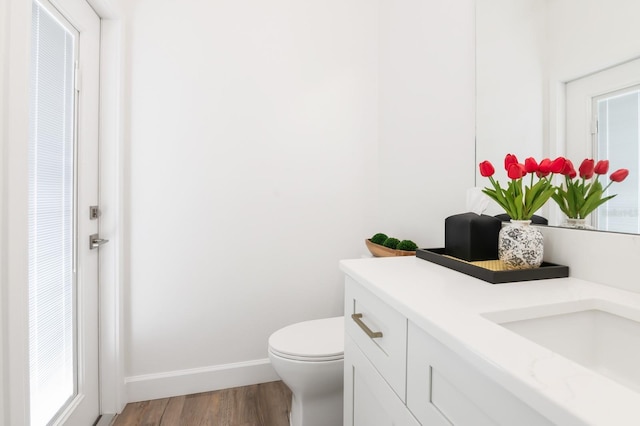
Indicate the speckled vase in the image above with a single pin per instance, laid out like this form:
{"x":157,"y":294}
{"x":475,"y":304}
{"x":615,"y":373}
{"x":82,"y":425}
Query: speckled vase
{"x":520,"y":245}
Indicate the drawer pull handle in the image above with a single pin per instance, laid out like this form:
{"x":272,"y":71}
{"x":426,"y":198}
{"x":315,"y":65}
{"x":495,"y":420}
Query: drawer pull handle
{"x":363,"y":326}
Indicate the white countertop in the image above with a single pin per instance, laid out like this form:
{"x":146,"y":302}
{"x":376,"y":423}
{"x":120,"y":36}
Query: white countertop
{"x":449,"y":306}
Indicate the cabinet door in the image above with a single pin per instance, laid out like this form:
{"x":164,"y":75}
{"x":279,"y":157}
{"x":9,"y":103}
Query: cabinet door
{"x":368,"y":399}
{"x":441,"y":385}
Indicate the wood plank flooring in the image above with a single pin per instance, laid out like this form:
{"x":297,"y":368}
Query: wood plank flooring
{"x":266,"y":404}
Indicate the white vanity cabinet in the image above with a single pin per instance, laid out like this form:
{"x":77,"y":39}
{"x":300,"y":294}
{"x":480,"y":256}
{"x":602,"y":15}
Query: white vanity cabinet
{"x":449,"y":352}
{"x":397,"y":374}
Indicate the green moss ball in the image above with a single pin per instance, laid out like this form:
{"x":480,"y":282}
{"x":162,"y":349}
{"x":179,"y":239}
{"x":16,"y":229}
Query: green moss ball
{"x":392,"y":243}
{"x":407,"y":245}
{"x":379,"y":238}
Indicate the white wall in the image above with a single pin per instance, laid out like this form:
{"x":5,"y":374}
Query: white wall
{"x":426,"y":121}
{"x":510,"y":70}
{"x":586,"y":37}
{"x":253,"y":147}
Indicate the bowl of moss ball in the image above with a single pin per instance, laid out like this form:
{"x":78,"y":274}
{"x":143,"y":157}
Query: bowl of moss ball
{"x":381,"y":245}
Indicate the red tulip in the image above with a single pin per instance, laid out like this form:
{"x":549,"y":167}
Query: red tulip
{"x":510,"y":159}
{"x":602,"y":167}
{"x":516,"y":171}
{"x":586,"y":168}
{"x":568,"y":169}
{"x":557,"y":165}
{"x":486,"y":169}
{"x":544,"y":168}
{"x":619,"y":175}
{"x":519,"y":200}
{"x":530,"y":165}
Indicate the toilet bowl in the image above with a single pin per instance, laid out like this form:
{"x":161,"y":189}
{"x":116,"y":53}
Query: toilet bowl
{"x":309,"y":358}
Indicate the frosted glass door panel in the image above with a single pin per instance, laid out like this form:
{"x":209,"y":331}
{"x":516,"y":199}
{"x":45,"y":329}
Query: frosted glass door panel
{"x":51,"y":216}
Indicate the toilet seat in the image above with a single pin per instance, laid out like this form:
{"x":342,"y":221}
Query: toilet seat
{"x":310,"y":341}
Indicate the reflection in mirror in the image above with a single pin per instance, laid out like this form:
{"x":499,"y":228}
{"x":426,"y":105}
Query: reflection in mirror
{"x":602,"y":121}
{"x":617,"y":118}
{"x":528,"y":55}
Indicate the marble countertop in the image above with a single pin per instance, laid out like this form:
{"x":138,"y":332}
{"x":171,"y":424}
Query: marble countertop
{"x":451,"y":307}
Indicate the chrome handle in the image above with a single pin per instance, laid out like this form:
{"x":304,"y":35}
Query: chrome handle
{"x":365,"y":328}
{"x":95,"y":242}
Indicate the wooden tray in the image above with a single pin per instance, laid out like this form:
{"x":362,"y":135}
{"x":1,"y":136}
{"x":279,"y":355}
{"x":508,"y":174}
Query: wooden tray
{"x":381,"y":251}
{"x":493,"y":271}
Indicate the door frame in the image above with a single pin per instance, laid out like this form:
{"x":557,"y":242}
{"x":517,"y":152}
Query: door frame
{"x":15,"y":15}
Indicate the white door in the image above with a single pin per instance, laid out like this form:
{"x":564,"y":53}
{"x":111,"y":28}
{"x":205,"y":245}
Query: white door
{"x":63,"y":184}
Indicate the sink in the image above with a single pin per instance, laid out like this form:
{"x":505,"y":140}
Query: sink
{"x":597,"y":334}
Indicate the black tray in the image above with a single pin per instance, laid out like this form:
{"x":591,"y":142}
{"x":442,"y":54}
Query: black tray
{"x":545,"y":271}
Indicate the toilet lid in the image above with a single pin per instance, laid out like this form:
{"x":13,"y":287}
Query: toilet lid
{"x":314,"y":340}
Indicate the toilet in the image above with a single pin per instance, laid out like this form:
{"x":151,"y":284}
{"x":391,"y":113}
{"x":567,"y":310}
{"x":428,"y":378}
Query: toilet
{"x":309,"y":358}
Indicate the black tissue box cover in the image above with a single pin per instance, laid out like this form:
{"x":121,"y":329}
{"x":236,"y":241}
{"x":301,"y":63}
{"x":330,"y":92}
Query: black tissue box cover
{"x":471,"y":237}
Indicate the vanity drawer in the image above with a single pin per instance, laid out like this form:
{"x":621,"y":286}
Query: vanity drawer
{"x":443,"y":389}
{"x":380,"y":332}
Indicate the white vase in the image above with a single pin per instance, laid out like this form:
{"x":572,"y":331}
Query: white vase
{"x":576,"y":223}
{"x":520,"y":245}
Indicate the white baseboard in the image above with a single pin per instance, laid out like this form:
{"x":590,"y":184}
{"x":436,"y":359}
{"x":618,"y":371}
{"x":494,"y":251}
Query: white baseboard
{"x":196,"y":380}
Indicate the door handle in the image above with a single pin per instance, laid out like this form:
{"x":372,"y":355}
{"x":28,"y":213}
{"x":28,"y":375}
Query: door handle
{"x":95,"y":242}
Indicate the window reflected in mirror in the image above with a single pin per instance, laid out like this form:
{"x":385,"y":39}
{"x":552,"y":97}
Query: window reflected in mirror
{"x":617,"y":118}
{"x":602,"y":122}
{"x":530,"y":56}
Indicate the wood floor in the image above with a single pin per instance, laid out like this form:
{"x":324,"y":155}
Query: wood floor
{"x":266,"y":404}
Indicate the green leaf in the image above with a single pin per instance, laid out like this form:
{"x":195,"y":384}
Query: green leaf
{"x":593,"y":203}
{"x":560,"y":200}
{"x":573,"y":197}
{"x":498,"y":198}
{"x":519,"y":205}
{"x":541,"y":199}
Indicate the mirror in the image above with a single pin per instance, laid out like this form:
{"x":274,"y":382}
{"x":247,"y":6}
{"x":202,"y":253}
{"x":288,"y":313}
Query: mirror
{"x":527,"y":53}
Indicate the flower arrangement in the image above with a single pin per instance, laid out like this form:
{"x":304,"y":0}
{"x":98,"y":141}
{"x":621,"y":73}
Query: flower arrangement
{"x":518,"y":202}
{"x":579,"y":195}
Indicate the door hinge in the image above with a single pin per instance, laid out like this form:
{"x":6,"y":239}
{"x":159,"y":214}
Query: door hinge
{"x":78,"y":77}
{"x":594,"y":127}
